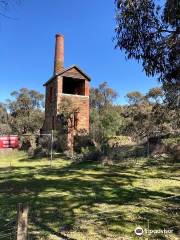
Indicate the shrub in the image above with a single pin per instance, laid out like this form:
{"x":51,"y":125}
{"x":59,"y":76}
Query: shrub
{"x":119,"y":147}
{"x":171,"y":141}
{"x":119,"y":141}
{"x":60,"y":142}
{"x":172,"y":145}
{"x":28,"y":143}
{"x":95,"y":155}
{"x":84,"y":144}
{"x":44,"y":145}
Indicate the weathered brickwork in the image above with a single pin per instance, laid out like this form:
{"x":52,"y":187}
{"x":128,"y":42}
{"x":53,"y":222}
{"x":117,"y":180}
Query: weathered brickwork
{"x":59,"y":54}
{"x":50,"y":106}
{"x":70,"y":83}
{"x":81,"y":102}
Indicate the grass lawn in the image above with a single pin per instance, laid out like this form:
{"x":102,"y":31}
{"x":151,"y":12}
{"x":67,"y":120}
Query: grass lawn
{"x":89,"y":201}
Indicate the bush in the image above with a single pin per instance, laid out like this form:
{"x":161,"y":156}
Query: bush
{"x":93,"y":156}
{"x":172,"y":145}
{"x":88,"y":156}
{"x":60,"y":142}
{"x":43,"y":148}
{"x":119,"y":147}
{"x":121,"y":140}
{"x":171,"y":141}
{"x":122,"y":152}
{"x":84,"y":144}
{"x":28,"y":143}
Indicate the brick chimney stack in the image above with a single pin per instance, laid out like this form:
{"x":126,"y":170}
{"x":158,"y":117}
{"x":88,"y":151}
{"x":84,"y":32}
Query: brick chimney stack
{"x":59,"y":54}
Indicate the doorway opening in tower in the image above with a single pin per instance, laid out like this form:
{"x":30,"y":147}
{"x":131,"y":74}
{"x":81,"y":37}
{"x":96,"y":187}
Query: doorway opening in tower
{"x":73,"y":86}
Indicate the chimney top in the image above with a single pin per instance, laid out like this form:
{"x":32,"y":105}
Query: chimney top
{"x":59,"y":35}
{"x":59,"y":54}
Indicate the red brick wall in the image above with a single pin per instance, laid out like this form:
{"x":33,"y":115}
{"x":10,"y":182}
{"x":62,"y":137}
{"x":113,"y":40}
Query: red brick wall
{"x":59,"y":54}
{"x":51,"y":107}
{"x":87,"y":90}
{"x":81,"y":102}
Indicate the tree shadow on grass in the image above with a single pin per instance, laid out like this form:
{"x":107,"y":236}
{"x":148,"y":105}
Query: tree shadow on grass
{"x":45,"y":157}
{"x":59,"y":198}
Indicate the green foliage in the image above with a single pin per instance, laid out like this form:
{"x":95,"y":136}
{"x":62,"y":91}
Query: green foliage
{"x":4,"y":125}
{"x":110,"y":123}
{"x":67,"y":115}
{"x":156,"y":94}
{"x":68,"y":120}
{"x":102,"y":97}
{"x":61,"y":141}
{"x":172,"y":94}
{"x":149,"y":33}
{"x":171,"y":141}
{"x":105,"y":118}
{"x":84,"y":143}
{"x":26,"y":111}
{"x":66,"y":108}
{"x":104,"y":124}
{"x":119,"y":141}
{"x":28,"y":143}
{"x":43,"y":146}
{"x":148,"y":115}
{"x":121,"y":147}
{"x":172,"y":145}
{"x":135,"y":97}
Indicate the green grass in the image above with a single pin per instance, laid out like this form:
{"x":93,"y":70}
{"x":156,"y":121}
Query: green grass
{"x":89,"y":200}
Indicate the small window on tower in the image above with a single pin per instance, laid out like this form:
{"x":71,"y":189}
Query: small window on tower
{"x":50,"y":94}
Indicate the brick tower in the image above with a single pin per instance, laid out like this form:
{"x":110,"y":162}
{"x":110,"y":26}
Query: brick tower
{"x":66,"y":83}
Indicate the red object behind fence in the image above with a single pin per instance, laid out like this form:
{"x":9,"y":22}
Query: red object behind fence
{"x":9,"y":141}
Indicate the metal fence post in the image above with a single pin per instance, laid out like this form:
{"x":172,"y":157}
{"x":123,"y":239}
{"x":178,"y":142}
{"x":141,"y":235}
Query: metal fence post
{"x":52,"y":145}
